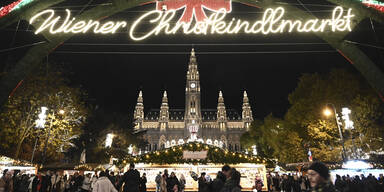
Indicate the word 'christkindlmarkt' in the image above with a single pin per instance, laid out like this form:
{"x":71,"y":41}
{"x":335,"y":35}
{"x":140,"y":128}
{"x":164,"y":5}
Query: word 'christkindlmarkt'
{"x":161,"y":21}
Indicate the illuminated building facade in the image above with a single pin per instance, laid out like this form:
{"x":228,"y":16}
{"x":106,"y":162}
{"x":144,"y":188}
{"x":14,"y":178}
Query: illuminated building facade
{"x":169,"y":127}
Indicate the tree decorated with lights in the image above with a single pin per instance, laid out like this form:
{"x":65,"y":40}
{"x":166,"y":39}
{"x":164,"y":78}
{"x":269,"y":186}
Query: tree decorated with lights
{"x":21,"y":119}
{"x":305,"y":128}
{"x":343,"y":89}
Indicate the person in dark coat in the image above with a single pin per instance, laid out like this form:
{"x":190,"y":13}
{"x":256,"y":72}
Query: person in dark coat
{"x":232,"y":184}
{"x":131,"y":180}
{"x":46,"y":182}
{"x":218,"y":183}
{"x":286,"y":184}
{"x":172,"y":181}
{"x":143,"y":183}
{"x":339,"y":183}
{"x":35,"y":183}
{"x":203,"y":184}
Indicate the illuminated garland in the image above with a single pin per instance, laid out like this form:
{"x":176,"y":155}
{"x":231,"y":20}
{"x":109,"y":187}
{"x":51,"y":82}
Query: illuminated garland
{"x":174,"y":155}
{"x":13,"y":6}
{"x":374,"y":4}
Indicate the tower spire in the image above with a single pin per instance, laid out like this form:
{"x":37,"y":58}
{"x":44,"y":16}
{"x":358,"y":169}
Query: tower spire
{"x":247,"y":111}
{"x":192,"y":115}
{"x":221,"y":112}
{"x":165,"y":98}
{"x":139,"y":111}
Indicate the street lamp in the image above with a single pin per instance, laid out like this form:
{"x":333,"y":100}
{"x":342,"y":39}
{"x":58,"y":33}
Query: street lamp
{"x":328,"y":112}
{"x":40,"y":124}
{"x":348,"y":125}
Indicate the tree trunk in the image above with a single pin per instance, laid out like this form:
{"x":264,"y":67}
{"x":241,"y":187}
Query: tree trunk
{"x":18,"y":148}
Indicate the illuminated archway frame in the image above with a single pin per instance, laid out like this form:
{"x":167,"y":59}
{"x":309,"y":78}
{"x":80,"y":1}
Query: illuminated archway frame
{"x":38,"y":52}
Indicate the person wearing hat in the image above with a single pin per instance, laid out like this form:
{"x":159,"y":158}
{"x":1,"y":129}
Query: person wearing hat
{"x":318,"y":175}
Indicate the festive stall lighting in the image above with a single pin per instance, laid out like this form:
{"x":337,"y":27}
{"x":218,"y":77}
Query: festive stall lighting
{"x":356,"y":164}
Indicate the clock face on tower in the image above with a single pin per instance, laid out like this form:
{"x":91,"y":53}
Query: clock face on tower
{"x":193,"y":85}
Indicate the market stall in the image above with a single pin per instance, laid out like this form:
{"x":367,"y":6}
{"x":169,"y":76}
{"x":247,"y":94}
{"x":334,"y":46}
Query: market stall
{"x":13,"y":165}
{"x":198,"y":158}
{"x":248,"y":173}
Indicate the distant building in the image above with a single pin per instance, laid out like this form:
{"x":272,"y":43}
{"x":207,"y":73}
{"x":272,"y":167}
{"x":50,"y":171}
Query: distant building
{"x":169,"y":127}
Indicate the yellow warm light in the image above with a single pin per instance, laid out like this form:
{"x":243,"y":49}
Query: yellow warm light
{"x":61,"y":112}
{"x":147,"y":156}
{"x":327,"y":112}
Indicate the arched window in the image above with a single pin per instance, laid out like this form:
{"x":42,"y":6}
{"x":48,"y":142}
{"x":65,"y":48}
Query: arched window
{"x":154,"y":147}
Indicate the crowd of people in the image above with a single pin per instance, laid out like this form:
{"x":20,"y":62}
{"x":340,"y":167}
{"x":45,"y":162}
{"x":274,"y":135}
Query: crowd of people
{"x":317,"y":179}
{"x":227,"y":180}
{"x":105,"y":181}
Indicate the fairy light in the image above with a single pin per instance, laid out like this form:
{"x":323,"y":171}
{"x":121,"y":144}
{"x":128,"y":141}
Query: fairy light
{"x":162,"y":22}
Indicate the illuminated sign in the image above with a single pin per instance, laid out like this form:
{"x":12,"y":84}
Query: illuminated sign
{"x":272,"y":21}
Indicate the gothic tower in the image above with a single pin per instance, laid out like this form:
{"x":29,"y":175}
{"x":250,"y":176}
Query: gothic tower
{"x":192,"y":116}
{"x":247,"y":112}
{"x":221,"y":113}
{"x":164,"y":113}
{"x":139,"y":111}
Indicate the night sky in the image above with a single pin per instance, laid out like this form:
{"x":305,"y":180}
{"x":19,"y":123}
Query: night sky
{"x":256,"y":63}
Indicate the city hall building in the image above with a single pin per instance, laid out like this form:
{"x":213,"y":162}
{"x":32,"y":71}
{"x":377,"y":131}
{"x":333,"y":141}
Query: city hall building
{"x":167,"y":127}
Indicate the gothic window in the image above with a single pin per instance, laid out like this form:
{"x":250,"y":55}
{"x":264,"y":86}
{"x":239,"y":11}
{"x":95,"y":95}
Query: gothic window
{"x":236,"y":147}
{"x":162,"y":146}
{"x":149,"y":147}
{"x":154,"y":147}
{"x":230,"y":147}
{"x":162,"y":126}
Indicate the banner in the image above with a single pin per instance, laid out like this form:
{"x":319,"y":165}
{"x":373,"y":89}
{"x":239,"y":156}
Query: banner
{"x":195,"y":154}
